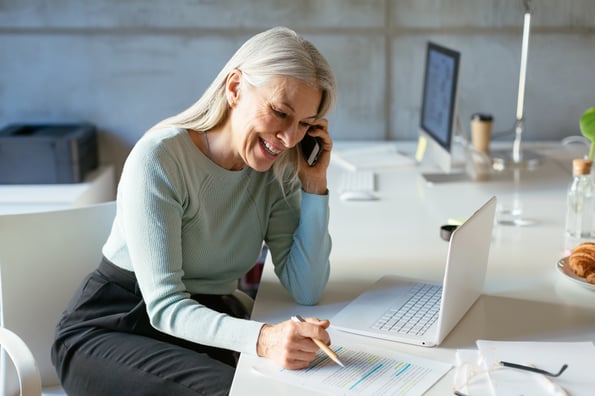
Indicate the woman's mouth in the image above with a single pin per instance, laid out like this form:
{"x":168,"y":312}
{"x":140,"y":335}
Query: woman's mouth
{"x":269,"y":149}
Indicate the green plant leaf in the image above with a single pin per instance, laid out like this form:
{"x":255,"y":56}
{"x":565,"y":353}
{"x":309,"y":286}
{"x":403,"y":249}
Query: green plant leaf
{"x":587,"y":125}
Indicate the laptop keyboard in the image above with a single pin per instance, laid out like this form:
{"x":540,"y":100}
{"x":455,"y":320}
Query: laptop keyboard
{"x":416,"y":315}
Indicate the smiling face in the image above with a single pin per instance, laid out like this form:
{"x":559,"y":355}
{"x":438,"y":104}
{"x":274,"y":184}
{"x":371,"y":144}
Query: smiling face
{"x":267,"y":121}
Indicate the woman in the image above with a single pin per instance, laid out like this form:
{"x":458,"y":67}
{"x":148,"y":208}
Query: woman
{"x":199,"y":194}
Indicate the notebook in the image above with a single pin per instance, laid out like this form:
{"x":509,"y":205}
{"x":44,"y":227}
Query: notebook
{"x":420,"y":313}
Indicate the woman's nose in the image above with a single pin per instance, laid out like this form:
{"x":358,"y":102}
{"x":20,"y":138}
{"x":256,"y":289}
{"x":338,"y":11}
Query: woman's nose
{"x":290,"y":136}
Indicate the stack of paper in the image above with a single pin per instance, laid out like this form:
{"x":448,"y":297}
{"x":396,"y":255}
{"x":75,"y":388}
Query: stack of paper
{"x":483,"y":375}
{"x":375,"y":157}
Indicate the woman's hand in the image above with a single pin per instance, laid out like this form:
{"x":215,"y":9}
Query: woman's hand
{"x":313,"y":178}
{"x":289,"y":343}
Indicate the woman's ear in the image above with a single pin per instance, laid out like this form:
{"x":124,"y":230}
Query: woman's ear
{"x":232,"y":87}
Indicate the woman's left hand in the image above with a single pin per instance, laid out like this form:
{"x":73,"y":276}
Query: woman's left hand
{"x":313,"y":178}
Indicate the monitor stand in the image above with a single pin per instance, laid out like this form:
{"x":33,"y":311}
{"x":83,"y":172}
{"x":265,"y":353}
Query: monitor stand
{"x":440,"y":178}
{"x":455,"y":171}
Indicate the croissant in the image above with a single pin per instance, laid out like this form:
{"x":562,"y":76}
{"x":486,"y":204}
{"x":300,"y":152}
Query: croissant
{"x":582,"y":261}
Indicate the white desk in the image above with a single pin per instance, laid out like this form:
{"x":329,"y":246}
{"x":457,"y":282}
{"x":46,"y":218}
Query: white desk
{"x":524,"y":296}
{"x":98,"y":186}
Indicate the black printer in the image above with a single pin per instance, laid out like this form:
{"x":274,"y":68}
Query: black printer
{"x":47,"y":153}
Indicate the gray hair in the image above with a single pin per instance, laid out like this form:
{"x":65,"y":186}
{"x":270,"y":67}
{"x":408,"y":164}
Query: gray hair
{"x":277,"y":52}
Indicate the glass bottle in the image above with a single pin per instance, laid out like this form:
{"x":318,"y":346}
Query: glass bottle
{"x":579,"y":205}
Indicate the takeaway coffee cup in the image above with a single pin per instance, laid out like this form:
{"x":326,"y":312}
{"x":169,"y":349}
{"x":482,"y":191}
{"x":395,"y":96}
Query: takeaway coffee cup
{"x":481,"y":132}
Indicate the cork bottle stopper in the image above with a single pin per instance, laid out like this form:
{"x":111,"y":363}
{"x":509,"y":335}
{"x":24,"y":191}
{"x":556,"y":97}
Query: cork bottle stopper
{"x":581,"y":166}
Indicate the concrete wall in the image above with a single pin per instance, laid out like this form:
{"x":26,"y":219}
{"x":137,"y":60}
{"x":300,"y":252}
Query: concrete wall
{"x":125,"y":64}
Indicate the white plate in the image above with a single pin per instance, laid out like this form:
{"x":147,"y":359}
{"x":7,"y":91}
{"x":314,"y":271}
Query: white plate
{"x":563,"y":268}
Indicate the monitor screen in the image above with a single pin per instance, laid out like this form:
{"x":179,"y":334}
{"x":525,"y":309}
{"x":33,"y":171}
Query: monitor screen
{"x":439,"y":94}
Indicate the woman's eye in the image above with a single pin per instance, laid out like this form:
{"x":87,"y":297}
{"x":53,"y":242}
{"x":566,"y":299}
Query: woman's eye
{"x":279,"y":114}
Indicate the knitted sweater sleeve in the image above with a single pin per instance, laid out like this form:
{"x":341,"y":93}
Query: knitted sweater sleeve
{"x":301,"y":254}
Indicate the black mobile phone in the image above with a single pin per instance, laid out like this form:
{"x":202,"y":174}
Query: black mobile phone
{"x":311,"y":149}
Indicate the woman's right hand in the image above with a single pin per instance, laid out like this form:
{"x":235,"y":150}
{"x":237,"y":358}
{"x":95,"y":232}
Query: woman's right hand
{"x":290,"y":343}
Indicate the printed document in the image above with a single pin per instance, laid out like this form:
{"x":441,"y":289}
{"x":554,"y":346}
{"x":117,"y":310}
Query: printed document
{"x":366,"y":372}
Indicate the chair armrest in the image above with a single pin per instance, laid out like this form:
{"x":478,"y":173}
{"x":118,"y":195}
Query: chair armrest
{"x":24,"y":362}
{"x":244,"y":299}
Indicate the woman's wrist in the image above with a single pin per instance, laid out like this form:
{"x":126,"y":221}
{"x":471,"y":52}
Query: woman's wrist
{"x":261,"y":349}
{"x":315,"y":187}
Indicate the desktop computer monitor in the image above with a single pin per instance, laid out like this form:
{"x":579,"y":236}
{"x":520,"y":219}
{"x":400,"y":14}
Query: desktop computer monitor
{"x":439,"y":101}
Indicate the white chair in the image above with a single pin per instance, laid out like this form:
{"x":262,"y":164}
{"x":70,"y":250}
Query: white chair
{"x":21,"y":356}
{"x":43,"y":259}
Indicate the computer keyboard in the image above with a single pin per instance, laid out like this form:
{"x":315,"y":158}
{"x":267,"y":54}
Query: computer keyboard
{"x":358,"y":181}
{"x":416,"y":315}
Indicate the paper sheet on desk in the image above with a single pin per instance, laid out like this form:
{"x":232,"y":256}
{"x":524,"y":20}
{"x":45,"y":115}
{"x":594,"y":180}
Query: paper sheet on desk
{"x":365,"y":373}
{"x":371,"y":158}
{"x":577,"y":380}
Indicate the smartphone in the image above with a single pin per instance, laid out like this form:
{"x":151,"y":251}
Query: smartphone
{"x":311,"y":149}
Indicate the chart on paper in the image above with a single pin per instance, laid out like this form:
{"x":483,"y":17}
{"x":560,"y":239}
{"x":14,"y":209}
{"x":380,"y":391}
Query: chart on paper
{"x":366,"y":373}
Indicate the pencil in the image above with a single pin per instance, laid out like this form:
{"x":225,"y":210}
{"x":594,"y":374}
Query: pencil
{"x":329,"y":352}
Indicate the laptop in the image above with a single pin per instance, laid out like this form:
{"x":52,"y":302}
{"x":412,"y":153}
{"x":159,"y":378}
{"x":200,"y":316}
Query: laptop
{"x":421,"y":313}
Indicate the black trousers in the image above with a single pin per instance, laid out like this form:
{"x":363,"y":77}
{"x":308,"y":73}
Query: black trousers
{"x":105,"y":345}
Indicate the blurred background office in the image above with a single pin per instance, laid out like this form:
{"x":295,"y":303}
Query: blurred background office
{"x":123,"y":65}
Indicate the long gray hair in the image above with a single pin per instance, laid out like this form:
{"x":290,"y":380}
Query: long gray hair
{"x":273,"y":53}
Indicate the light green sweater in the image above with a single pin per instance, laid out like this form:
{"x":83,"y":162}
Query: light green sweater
{"x":185,"y":225}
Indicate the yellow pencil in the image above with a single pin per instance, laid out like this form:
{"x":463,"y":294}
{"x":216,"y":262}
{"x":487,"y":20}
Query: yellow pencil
{"x":329,"y":352}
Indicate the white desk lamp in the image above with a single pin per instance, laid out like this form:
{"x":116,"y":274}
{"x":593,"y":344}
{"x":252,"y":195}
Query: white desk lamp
{"x":519,"y":158}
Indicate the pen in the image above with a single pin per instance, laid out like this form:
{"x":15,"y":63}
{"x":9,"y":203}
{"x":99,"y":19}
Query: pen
{"x":329,"y":352}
